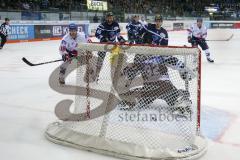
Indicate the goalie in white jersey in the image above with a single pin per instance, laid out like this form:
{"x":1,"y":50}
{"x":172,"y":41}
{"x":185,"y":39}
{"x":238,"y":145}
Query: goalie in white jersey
{"x":197,"y":34}
{"x":68,"y":48}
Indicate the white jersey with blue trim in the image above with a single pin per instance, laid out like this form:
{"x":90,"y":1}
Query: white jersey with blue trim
{"x":70,"y":44}
{"x":197,"y":32}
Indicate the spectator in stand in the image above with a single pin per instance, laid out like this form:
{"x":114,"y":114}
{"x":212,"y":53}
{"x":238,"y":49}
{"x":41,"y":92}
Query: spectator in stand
{"x":61,"y":16}
{"x":25,"y":5}
{"x":142,"y":21}
{"x":165,"y":7}
{"x":45,"y":4}
{"x":128,"y":19}
{"x":95,"y":18}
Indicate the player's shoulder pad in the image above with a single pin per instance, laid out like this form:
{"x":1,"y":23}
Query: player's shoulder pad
{"x":102,"y":25}
{"x":194,"y":24}
{"x":163,"y":29}
{"x":115,"y":23}
{"x":66,"y":36}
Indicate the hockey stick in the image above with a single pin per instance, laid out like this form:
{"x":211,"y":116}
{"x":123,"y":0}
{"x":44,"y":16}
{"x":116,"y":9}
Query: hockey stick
{"x":37,"y":64}
{"x":228,"y":39}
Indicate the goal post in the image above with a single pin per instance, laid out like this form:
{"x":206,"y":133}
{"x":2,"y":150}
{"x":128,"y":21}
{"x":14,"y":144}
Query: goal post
{"x":141,"y":102}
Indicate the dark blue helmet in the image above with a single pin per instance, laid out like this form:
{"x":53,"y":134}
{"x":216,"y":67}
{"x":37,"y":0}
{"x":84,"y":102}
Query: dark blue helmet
{"x":158,"y":17}
{"x":109,"y":14}
{"x":72,"y":26}
{"x":199,"y":19}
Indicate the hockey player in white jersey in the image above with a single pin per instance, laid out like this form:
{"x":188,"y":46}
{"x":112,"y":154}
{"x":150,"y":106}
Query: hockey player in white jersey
{"x":68,"y":48}
{"x":197,"y":34}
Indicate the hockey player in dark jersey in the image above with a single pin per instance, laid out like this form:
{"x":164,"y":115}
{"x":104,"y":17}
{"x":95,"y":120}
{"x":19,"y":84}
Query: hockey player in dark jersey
{"x":4,"y":29}
{"x":107,"y":32}
{"x":155,"y":33}
{"x":134,"y":31}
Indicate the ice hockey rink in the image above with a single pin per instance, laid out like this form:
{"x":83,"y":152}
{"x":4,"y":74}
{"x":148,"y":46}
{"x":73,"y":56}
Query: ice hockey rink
{"x":27,"y":102}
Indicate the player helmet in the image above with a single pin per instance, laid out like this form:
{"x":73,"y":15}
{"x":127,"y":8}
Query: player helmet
{"x":158,"y":17}
{"x":199,"y":19}
{"x":109,"y":14}
{"x":7,"y":19}
{"x":72,"y":26}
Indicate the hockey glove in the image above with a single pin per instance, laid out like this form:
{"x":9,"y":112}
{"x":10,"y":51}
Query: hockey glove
{"x":66,"y":57}
{"x":72,"y":53}
{"x":69,"y":55}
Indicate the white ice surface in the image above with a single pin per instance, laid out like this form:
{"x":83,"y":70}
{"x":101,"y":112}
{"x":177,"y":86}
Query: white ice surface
{"x":27,"y":102}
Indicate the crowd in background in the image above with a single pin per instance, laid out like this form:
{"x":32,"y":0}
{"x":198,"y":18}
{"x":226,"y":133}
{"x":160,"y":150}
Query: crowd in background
{"x":172,"y":7}
{"x":41,"y":5}
{"x":168,"y":8}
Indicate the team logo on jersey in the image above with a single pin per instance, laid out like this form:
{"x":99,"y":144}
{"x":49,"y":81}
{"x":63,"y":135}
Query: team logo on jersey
{"x":162,"y":35}
{"x":116,"y":28}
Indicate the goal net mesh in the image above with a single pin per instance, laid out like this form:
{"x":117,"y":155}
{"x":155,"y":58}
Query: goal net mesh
{"x":134,"y":102}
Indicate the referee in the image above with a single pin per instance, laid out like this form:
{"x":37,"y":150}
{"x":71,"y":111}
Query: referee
{"x":4,"y":28}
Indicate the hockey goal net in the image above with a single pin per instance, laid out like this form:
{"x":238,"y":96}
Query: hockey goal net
{"x":134,"y":102}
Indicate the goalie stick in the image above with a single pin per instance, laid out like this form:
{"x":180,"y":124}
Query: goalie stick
{"x":37,"y":64}
{"x":227,"y":39}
